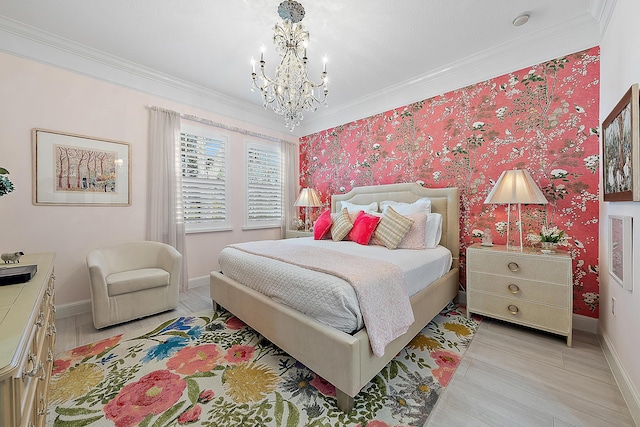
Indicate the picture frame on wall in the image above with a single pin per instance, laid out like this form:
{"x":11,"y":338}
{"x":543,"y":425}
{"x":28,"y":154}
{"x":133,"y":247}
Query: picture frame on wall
{"x":620,"y":150}
{"x":621,"y":250}
{"x":78,"y":170}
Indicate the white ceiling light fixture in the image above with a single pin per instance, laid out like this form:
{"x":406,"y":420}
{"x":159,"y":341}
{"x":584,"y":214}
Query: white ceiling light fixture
{"x":290,"y":91}
{"x":521,"y":19}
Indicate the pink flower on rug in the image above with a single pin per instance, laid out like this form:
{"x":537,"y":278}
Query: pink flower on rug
{"x":191,"y":415}
{"x":96,"y":347}
{"x":206,"y":396}
{"x":235,"y":323}
{"x":443,"y":374}
{"x":59,"y":366}
{"x":445,"y":358}
{"x":154,"y":393}
{"x":323,"y":386}
{"x":190,"y":360}
{"x":239,"y":353}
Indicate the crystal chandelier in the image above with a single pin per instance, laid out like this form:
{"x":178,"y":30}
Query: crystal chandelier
{"x":290,"y":91}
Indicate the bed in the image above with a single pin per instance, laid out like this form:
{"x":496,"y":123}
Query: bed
{"x":347,"y":360}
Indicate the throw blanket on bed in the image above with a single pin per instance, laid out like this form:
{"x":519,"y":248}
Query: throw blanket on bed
{"x":379,"y":286}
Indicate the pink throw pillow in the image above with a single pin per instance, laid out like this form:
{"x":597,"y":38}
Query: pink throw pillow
{"x":415,"y":237}
{"x":363,"y":228}
{"x":322,"y":225}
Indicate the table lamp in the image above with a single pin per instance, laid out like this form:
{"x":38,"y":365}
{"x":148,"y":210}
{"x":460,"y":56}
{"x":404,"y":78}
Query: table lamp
{"x":308,"y":198}
{"x":515,"y":187}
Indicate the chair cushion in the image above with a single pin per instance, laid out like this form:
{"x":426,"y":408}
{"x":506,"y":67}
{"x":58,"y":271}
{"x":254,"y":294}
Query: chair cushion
{"x":136,"y":280}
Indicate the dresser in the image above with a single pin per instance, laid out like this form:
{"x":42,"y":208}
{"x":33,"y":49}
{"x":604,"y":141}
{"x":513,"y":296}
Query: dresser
{"x":27,"y":340}
{"x":527,"y":288}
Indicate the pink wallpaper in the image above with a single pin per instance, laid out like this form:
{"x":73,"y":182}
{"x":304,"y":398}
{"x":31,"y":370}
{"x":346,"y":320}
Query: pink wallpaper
{"x":543,"y":119}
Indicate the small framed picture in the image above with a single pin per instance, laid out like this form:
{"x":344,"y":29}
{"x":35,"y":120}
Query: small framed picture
{"x":620,"y":155}
{"x":73,"y":169}
{"x":621,"y":250}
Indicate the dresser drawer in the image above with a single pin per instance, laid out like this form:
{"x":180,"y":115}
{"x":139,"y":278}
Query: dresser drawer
{"x":552,"y":319}
{"x":520,"y":289}
{"x":553,"y":270}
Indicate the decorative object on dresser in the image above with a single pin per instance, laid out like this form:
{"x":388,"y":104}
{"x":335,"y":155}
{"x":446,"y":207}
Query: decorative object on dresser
{"x":621,"y":150}
{"x":550,"y":237}
{"x":527,"y":288}
{"x":308,"y":198}
{"x":27,"y":334}
{"x":11,"y":257}
{"x":133,"y":280}
{"x":515,"y":187}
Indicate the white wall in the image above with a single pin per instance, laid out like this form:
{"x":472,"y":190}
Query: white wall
{"x":33,"y":95}
{"x":620,"y":67}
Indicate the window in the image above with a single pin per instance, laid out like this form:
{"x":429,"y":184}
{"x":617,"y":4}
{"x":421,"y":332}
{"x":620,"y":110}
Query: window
{"x":264,"y":185}
{"x":204,"y":179}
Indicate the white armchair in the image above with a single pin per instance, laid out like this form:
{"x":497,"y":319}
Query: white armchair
{"x":133,"y":280}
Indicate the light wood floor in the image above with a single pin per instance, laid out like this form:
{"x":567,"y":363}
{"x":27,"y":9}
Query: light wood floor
{"x":509,"y":376}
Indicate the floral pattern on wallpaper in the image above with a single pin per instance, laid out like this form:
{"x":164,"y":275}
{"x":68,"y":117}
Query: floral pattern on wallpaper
{"x":543,"y":119}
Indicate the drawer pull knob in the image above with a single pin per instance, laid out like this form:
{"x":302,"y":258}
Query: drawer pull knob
{"x":513,"y":266}
{"x":40,"y":320}
{"x":513,"y":288}
{"x":43,"y":406}
{"x":31,"y":359}
{"x":513,"y":309}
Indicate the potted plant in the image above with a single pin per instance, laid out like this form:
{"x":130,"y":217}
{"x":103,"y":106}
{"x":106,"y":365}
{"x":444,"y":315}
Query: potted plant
{"x":549,"y":238}
{"x":6,"y":186}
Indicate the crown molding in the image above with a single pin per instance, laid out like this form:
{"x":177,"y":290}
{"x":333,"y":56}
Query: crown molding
{"x":581,"y":33}
{"x":34,"y":44}
{"x":518,"y":53}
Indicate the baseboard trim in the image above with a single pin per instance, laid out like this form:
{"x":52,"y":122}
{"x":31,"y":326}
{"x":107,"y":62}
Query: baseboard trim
{"x":197,"y":282}
{"x":81,"y":307}
{"x":629,"y":393}
{"x":584,"y":323}
{"x":71,"y":309}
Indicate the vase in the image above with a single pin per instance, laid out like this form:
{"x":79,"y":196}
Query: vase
{"x":548,"y":247}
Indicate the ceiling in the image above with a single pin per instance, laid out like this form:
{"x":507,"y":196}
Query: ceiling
{"x":381,"y":53}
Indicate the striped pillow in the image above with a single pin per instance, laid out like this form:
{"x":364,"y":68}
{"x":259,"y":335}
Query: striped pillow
{"x":392,"y":228}
{"x":341,"y":226}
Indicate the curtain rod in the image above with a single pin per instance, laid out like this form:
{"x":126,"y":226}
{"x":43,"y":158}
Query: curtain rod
{"x":219,"y":125}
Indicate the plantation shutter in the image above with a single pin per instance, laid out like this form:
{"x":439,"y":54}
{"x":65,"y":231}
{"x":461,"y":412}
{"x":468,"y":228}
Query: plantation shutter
{"x":204,"y":181}
{"x":264,"y":185}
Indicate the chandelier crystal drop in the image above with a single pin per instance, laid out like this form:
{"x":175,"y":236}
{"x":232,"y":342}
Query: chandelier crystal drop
{"x":290,"y":91}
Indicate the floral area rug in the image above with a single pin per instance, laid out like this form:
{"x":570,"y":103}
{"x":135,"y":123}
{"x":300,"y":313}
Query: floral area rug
{"x":213,"y":370}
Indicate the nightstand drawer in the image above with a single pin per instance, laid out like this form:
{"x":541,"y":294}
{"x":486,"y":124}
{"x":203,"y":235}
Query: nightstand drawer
{"x":552,"y":319}
{"x":553,"y":270}
{"x":520,"y":289}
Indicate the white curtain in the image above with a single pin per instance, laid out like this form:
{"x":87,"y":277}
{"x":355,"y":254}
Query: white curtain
{"x":290,"y":183}
{"x":166,"y":220}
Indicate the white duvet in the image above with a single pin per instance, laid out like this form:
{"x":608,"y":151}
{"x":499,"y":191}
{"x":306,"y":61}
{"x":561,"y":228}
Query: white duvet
{"x":325,"y":297}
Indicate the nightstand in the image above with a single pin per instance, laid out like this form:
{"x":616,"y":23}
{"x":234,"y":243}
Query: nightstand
{"x":292,"y":234}
{"x":527,"y":288}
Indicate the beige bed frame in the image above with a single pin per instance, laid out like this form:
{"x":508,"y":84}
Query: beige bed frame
{"x":345,"y":360}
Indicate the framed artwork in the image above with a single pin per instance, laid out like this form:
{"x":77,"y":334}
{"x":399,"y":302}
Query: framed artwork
{"x":621,"y":250}
{"x":620,"y":150}
{"x":79,"y":170}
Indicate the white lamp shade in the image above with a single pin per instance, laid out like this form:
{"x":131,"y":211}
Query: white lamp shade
{"x":308,"y":198}
{"x":516,"y":186}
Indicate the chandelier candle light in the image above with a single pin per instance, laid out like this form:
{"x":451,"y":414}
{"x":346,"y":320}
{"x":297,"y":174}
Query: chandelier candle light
{"x":290,"y":91}
{"x":515,"y":187}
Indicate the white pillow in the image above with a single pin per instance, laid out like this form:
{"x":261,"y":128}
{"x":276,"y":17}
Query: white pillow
{"x":420,"y":205}
{"x":371,"y":207}
{"x":434,"y":230}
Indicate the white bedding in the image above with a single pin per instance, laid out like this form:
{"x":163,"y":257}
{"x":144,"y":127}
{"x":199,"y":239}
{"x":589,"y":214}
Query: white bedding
{"x":329,"y":299}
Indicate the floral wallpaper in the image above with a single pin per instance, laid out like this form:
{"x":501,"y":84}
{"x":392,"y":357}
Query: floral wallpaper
{"x":543,"y":119}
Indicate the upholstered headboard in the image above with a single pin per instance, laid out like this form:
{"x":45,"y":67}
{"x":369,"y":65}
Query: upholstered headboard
{"x":445,"y":201}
